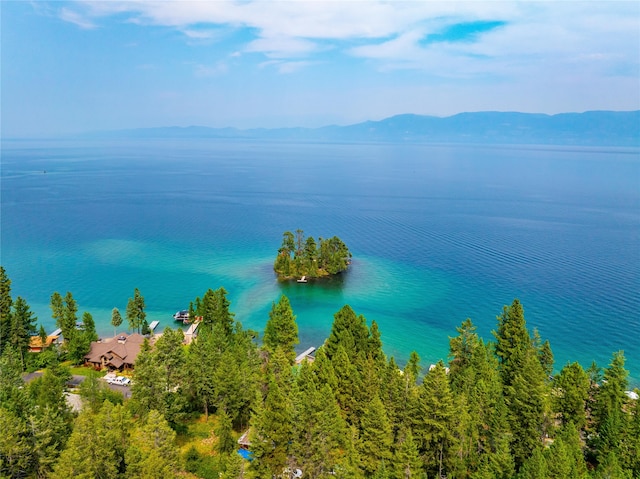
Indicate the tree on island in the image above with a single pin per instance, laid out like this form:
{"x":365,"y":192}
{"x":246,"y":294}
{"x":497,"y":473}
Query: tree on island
{"x":300,"y":256}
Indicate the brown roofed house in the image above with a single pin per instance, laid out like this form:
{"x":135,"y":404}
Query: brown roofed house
{"x":35,"y":343}
{"x":117,"y":353}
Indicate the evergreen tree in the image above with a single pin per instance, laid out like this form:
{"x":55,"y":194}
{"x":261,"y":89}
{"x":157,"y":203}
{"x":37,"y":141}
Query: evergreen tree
{"x":435,"y":423}
{"x":527,"y":400}
{"x":5,"y":307}
{"x":513,"y":341}
{"x":42,"y":334}
{"x":462,"y":349}
{"x":201,"y":367}
{"x":224,"y":432}
{"x":152,"y":452}
{"x":148,"y":387}
{"x":22,"y":326}
{"x":116,"y":320}
{"x":413,"y":367}
{"x":216,"y":315}
{"x":15,"y":448}
{"x":320,"y":433}
{"x":350,"y":331}
{"x":96,"y":447}
{"x":89,"y":327}
{"x":524,"y":379}
{"x":535,"y":467}
{"x":135,"y":311}
{"x":57,"y":309}
{"x":406,"y":460}
{"x":272,"y":432}
{"x":281,"y":329}
{"x":609,"y":415}
{"x":375,"y":437}
{"x":64,"y":312}
{"x":571,"y":394}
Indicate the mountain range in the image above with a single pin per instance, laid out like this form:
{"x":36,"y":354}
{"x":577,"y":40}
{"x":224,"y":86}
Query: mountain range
{"x":611,"y":128}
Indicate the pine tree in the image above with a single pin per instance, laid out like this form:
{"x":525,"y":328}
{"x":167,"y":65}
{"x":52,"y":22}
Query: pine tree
{"x":406,"y":461}
{"x":152,"y":452}
{"x":116,"y":320}
{"x":461,"y":351}
{"x":609,"y":415}
{"x":525,"y":391}
{"x":224,"y":433}
{"x":350,"y":331}
{"x":513,"y":341}
{"x":5,"y":307}
{"x":135,"y":311}
{"x":572,"y":392}
{"x":22,"y":326}
{"x":375,"y":437}
{"x":96,"y":447}
{"x":272,"y":432}
{"x":281,"y":329}
{"x":535,"y":467}
{"x":435,"y":423}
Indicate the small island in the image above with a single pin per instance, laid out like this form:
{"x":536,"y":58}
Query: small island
{"x":302,"y":257}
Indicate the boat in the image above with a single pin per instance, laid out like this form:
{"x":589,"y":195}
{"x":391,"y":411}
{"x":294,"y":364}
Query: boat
{"x":302,"y":280}
{"x":182,"y":316}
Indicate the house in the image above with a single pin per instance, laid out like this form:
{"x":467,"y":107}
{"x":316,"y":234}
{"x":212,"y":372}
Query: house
{"x":35,"y":343}
{"x":118,"y":353}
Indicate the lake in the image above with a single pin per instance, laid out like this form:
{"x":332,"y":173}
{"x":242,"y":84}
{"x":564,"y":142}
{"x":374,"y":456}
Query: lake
{"x":439,"y":233}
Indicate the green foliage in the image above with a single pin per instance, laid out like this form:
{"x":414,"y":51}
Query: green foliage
{"x":281,"y":329}
{"x":21,"y":327}
{"x":159,"y":375}
{"x":135,"y":311}
{"x":5,"y":308}
{"x":95,"y":392}
{"x":376,"y":438}
{"x":350,"y":414}
{"x":436,"y":420}
{"x":571,"y":391}
{"x":224,"y":432}
{"x":151,"y":453}
{"x":116,"y":319}
{"x":298,"y":256}
{"x":97,"y":445}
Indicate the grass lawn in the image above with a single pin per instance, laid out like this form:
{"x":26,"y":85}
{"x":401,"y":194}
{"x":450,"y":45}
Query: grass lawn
{"x":199,"y":434}
{"x":81,"y":370}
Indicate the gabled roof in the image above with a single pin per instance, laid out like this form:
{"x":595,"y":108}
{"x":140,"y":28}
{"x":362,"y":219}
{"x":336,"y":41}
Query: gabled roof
{"x":35,"y":341}
{"x":122,"y":349}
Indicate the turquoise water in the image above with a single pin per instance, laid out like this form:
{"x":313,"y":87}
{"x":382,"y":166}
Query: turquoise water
{"x":439,"y":233}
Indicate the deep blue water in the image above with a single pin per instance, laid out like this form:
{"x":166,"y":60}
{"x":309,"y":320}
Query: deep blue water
{"x":439,"y":233}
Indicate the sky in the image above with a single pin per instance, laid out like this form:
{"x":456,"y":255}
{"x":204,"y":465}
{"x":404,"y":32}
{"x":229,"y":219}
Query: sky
{"x":69,"y":67}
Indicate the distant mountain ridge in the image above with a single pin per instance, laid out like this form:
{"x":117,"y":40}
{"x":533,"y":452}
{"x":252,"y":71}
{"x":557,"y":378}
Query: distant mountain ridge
{"x":611,"y":128}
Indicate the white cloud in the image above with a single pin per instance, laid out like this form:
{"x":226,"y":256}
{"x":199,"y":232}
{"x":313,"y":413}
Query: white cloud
{"x":389,"y":33}
{"x":76,"y":18}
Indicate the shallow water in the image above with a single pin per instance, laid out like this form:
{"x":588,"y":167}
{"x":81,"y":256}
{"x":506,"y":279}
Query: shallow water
{"x":439,"y":233}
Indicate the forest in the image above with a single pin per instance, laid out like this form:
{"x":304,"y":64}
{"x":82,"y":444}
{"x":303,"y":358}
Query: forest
{"x":302,"y":256}
{"x":496,"y":408}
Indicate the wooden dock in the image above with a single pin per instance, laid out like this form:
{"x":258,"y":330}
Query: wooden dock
{"x":307,"y":354}
{"x":302,"y":280}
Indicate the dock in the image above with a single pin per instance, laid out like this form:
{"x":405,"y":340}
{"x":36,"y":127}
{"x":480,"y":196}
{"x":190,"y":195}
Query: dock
{"x":307,"y":354}
{"x":153,"y":326}
{"x":192,"y":329}
{"x":302,"y":280}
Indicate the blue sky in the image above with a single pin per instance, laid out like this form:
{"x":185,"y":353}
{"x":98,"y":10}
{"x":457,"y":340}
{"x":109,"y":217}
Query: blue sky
{"x":87,"y":65}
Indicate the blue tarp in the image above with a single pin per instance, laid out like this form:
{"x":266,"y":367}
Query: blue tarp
{"x":248,"y":455}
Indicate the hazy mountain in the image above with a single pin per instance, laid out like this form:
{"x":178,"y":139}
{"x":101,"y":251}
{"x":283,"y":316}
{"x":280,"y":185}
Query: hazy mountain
{"x":620,"y":128}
